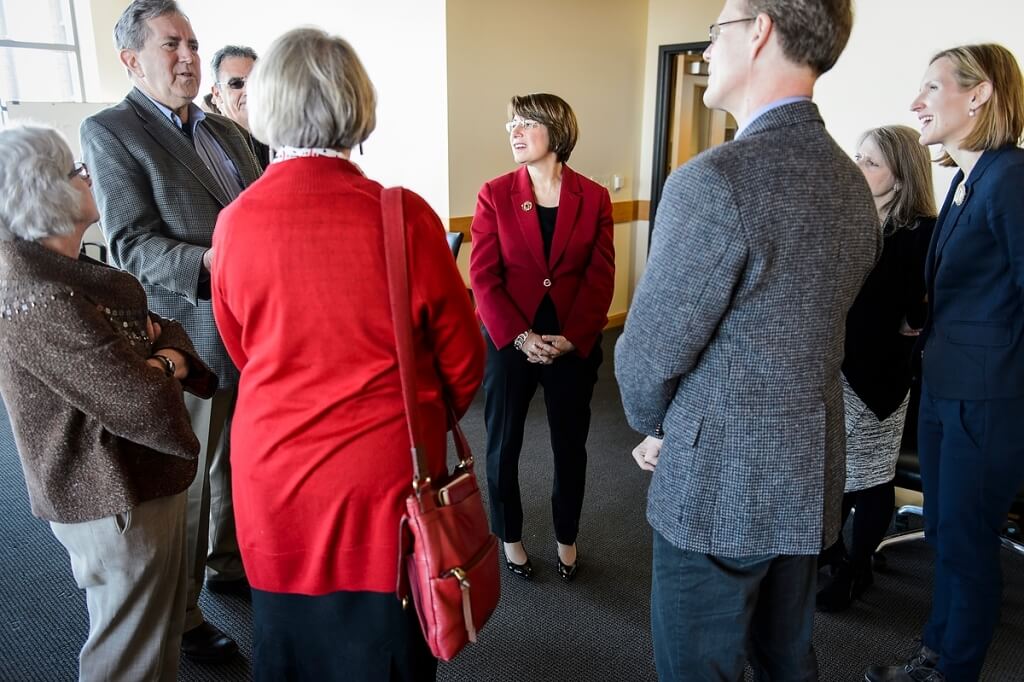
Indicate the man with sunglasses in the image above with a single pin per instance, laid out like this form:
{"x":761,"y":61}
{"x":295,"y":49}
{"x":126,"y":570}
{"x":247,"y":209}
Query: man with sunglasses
{"x":231,"y":66}
{"x":162,"y":171}
{"x":730,"y":359}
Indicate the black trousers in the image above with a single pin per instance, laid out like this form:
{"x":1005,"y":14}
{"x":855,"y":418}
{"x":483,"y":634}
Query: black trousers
{"x":874,"y":507}
{"x":342,"y":636}
{"x":510,"y":382}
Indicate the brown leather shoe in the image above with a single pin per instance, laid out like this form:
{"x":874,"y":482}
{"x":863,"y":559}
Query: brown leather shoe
{"x":206,"y":643}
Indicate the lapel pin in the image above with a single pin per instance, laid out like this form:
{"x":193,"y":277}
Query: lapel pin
{"x":527,"y":205}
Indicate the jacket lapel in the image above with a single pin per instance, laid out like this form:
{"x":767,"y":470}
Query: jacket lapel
{"x":950,"y":217}
{"x":525,"y":209}
{"x":931,"y":260}
{"x":569,"y":201}
{"x":236,"y":144}
{"x":167,"y":135}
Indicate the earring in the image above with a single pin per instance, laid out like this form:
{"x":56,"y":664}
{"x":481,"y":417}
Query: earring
{"x":896,"y":187}
{"x":970,"y":112}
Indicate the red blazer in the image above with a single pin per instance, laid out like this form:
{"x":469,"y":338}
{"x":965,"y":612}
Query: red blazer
{"x":510,"y":275}
{"x":320,"y":462}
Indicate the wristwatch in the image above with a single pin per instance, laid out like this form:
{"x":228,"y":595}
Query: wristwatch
{"x":168,"y":364}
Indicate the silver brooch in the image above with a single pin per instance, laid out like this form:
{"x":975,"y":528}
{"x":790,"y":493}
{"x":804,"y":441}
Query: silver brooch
{"x":960,"y":194}
{"x":527,"y":206}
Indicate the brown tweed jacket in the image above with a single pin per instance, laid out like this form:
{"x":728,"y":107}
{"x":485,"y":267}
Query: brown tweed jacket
{"x":98,"y":430}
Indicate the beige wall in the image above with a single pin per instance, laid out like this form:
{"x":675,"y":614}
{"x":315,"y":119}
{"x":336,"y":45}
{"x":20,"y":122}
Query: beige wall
{"x":105,"y":78}
{"x":668,"y":22}
{"x":590,"y":52}
{"x":402,"y":46}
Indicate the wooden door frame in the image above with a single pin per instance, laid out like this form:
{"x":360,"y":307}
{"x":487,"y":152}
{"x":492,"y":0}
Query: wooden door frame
{"x":666,"y":59}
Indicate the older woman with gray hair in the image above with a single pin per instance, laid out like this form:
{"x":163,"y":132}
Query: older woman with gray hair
{"x":321,"y":464}
{"x":93,"y":386}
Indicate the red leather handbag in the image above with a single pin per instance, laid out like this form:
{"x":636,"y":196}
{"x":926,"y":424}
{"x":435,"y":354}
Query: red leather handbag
{"x":452,"y":569}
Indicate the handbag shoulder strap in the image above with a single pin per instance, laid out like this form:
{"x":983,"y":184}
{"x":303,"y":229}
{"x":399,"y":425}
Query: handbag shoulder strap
{"x":396,"y":259}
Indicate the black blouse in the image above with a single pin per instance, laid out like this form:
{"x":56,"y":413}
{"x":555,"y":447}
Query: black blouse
{"x":545,"y":321}
{"x":877,"y":359}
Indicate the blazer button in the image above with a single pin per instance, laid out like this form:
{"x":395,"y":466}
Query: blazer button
{"x":547,"y":282}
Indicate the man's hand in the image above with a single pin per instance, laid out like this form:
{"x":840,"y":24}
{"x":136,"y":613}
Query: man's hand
{"x":208,"y":259}
{"x":647,"y":452}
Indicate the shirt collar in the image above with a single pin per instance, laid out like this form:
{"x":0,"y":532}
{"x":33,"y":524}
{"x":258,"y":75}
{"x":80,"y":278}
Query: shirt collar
{"x":765,"y":108}
{"x":195,"y":114}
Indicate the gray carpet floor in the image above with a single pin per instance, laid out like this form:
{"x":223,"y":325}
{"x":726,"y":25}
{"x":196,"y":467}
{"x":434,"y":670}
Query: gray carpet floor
{"x":593,"y":629}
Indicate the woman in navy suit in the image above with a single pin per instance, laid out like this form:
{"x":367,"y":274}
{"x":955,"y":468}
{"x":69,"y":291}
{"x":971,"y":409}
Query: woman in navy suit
{"x":970,"y":435}
{"x":543,"y":272}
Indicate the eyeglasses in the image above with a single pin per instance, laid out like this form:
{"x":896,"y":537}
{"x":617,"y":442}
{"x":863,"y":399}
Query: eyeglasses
{"x":715,"y":30}
{"x":81,"y":170}
{"x":525,"y":124}
{"x":235,"y":83}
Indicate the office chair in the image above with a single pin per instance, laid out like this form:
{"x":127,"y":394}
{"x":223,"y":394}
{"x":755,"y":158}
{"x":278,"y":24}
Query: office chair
{"x":908,"y":475}
{"x":455,"y":242}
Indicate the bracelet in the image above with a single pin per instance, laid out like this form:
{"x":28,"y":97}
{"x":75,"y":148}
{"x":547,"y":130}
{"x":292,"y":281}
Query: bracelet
{"x":521,"y":339}
{"x":168,"y":364}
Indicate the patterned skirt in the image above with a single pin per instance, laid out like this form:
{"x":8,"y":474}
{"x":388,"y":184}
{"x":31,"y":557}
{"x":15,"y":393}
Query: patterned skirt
{"x":872,"y":446}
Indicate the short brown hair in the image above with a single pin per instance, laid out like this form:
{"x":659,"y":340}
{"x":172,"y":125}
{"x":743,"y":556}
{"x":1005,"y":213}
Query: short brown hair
{"x":811,"y":32}
{"x":908,"y":161}
{"x":1000,"y":121}
{"x":556,"y":115}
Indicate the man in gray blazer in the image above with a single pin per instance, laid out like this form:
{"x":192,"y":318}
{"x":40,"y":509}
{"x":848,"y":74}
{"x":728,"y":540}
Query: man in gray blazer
{"x":731,"y":355}
{"x":162,"y":171}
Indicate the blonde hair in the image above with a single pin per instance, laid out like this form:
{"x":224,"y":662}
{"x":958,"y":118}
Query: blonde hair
{"x":910,"y":166}
{"x":311,"y":90}
{"x":1000,"y":121}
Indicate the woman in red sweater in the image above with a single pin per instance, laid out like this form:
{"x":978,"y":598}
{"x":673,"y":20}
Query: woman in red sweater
{"x":320,"y":459}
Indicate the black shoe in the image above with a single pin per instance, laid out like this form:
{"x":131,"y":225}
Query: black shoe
{"x":847,"y":583}
{"x":239,"y":587}
{"x":206,"y":643}
{"x":524,"y":570}
{"x":919,"y":668}
{"x":567,"y":572}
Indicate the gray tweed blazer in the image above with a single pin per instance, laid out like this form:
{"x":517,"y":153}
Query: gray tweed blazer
{"x":734,"y":340}
{"x":158,"y":205}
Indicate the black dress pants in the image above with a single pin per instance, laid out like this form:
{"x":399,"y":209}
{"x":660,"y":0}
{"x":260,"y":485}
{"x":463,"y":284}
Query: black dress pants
{"x":337,"y":637}
{"x":510,"y":382}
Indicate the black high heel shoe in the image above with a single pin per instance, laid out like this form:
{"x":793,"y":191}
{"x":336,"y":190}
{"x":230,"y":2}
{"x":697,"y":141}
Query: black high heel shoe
{"x":566,"y":571}
{"x":524,"y":570}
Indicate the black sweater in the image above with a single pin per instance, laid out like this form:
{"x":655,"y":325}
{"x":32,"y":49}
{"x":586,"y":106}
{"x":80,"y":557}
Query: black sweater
{"x":877,"y":360}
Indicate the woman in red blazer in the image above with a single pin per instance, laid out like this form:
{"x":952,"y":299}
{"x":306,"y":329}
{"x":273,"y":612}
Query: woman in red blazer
{"x":320,"y":460}
{"x":543,"y":272}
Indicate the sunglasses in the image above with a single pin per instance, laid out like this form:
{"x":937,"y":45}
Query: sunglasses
{"x":235,"y":83}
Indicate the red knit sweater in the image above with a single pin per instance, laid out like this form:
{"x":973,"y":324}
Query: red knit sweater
{"x":320,"y":456}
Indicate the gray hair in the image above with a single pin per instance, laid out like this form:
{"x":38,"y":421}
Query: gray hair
{"x":36,"y":198}
{"x":811,"y":32}
{"x":230,"y":51}
{"x":311,"y":90}
{"x":131,"y":31}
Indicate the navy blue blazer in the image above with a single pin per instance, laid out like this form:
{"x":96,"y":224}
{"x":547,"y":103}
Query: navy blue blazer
{"x":974,"y":338}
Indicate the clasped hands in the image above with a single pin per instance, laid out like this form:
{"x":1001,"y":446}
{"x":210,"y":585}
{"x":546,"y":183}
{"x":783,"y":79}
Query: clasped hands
{"x":545,"y":349}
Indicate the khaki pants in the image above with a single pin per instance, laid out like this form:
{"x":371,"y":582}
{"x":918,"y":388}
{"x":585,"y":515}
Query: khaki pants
{"x":132,"y":568}
{"x":211,"y":545}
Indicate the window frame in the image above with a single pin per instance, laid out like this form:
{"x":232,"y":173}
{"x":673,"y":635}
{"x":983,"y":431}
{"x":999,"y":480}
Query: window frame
{"x":74,"y":48}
